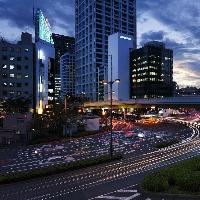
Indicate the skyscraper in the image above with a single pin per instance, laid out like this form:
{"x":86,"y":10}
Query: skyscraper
{"x":95,"y":21}
{"x":62,"y":44}
{"x":45,"y":68}
{"x":151,"y":69}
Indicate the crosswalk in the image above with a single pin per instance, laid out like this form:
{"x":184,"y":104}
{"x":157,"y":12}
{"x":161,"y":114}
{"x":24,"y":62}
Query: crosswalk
{"x":128,"y":193}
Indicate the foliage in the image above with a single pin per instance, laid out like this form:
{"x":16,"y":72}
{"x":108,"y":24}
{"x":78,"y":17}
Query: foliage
{"x":180,"y":178}
{"x":42,"y":172}
{"x":15,"y":105}
{"x":50,"y":124}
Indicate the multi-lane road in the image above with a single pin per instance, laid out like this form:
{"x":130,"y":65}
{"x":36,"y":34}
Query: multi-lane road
{"x":117,"y":180}
{"x":28,"y":158}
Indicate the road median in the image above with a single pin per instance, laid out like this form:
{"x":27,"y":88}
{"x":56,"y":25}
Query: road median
{"x":56,"y":169}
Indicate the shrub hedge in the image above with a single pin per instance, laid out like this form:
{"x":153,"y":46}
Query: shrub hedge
{"x":179,"y":178}
{"x":43,"y":172}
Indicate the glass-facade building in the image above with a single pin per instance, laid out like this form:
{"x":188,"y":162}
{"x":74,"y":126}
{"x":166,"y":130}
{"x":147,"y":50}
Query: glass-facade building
{"x":95,"y":21}
{"x":151,"y":70}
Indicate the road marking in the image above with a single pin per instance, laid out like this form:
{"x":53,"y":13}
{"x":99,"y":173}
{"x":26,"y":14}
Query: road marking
{"x":121,"y":190}
{"x":133,"y":196}
{"x":110,"y":197}
{"x":118,"y":198}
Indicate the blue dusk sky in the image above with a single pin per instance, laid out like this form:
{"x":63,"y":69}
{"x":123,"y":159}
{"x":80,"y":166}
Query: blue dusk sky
{"x":175,"y":22}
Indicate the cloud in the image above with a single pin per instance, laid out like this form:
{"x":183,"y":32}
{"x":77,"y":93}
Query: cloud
{"x":176,"y":23}
{"x":18,"y":14}
{"x":145,"y":37}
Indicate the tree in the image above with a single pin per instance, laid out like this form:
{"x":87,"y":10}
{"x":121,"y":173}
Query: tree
{"x":15,"y":105}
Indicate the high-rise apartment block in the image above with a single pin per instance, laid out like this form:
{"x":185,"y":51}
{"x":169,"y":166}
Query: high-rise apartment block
{"x":151,"y":69}
{"x":95,"y":21}
{"x":16,"y":68}
{"x":62,"y":44}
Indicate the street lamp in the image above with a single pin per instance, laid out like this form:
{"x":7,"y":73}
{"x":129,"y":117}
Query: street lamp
{"x":110,"y":83}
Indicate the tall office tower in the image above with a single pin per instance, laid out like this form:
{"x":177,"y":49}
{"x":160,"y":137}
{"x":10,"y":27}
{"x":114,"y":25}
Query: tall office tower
{"x":95,"y":21}
{"x":151,"y":71}
{"x":45,"y":56}
{"x":16,"y":68}
{"x":119,"y":46}
{"x":67,"y":74}
{"x":62,"y":44}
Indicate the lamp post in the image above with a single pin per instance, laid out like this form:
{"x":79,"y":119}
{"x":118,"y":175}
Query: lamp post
{"x":110,"y":83}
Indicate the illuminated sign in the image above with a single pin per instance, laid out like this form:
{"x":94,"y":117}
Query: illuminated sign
{"x":125,"y":38}
{"x":43,"y":28}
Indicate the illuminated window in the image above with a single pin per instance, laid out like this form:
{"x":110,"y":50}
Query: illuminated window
{"x":12,"y":75}
{"x":4,"y":66}
{"x":12,"y":58}
{"x":153,"y":73}
{"x":12,"y":66}
{"x":50,"y":90}
{"x":11,"y":84}
{"x":26,"y":75}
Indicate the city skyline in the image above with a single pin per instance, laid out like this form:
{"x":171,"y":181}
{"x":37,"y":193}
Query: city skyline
{"x":172,"y":22}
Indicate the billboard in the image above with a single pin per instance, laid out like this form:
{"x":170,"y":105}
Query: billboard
{"x":43,"y":28}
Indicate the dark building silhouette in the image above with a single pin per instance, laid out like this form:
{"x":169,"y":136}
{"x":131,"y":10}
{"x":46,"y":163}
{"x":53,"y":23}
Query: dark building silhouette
{"x":188,"y":91}
{"x":62,"y":44}
{"x":151,"y":69}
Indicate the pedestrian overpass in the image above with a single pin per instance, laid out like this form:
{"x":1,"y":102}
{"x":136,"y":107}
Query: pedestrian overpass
{"x":170,"y":102}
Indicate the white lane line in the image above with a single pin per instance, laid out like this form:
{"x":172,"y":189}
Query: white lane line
{"x":118,"y":198}
{"x":133,"y":196}
{"x":121,"y":190}
{"x":110,"y":197}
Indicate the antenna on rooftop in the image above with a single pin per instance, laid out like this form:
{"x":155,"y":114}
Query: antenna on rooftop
{"x":33,"y":11}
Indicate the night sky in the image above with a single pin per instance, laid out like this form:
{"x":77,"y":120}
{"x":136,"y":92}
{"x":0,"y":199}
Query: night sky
{"x":176,"y":22}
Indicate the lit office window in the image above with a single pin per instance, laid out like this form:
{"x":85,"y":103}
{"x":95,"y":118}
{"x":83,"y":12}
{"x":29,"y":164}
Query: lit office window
{"x":12,"y":75}
{"x":26,"y":75}
{"x":12,"y":66}
{"x":4,"y":66}
{"x":12,"y":58}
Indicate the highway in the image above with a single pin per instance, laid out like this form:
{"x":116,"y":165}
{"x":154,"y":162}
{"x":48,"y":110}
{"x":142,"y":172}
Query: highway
{"x":35,"y":157}
{"x":104,"y":181}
